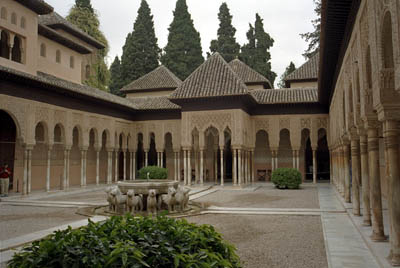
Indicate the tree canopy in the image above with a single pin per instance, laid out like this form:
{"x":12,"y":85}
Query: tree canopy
{"x":85,"y":18}
{"x":116,"y":81}
{"x":226,"y":43}
{"x":183,"y":52}
{"x":290,"y":69}
{"x":140,"y":54}
{"x":255,"y":52}
{"x":313,"y":38}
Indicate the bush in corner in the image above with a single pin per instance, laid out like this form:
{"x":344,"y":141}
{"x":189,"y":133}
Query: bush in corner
{"x":156,"y":173}
{"x":284,"y":178}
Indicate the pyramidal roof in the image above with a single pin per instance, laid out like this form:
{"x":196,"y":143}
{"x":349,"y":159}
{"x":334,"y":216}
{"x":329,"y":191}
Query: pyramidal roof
{"x":247,"y":74}
{"x":307,"y":71}
{"x":159,"y":78}
{"x":211,"y":79}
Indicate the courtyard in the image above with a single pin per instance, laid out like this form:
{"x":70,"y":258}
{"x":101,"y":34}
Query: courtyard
{"x":309,"y":227}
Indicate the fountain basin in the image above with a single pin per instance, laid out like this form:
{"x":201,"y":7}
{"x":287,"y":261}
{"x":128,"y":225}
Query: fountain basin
{"x":143,"y":186}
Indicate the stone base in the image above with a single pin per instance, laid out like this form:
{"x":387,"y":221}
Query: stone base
{"x":367,"y":223}
{"x":378,"y":237}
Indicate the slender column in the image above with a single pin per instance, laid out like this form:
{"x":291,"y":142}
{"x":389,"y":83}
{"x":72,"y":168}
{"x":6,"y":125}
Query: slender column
{"x":125,"y":163}
{"x":175,"y":167}
{"x":158,"y":159}
{"x":83,"y":168}
{"x":65,"y":172}
{"x":252,"y":165}
{"x":294,"y":158}
{"x":116,"y":166}
{"x":130,"y":165}
{"x":162,"y":159}
{"x":185,"y":169}
{"x":392,"y":145}
{"x":29,"y":171}
{"x":146,"y":158}
{"x":314,"y":158}
{"x":341,"y":170}
{"x":234,"y":167}
{"x":196,"y":166}
{"x":240,"y":177}
{"x":347,"y":195}
{"x":365,"y":180}
{"x":189,"y":159}
{"x":216,"y":166}
{"x":276,"y":159}
{"x":179,"y":166}
{"x":97,"y":166}
{"x":298,"y":159}
{"x":25,"y":178}
{"x":221,"y":149}
{"x":201,"y":166}
{"x":48,"y":168}
{"x":244,"y":157}
{"x":273,"y":160}
{"x":355,"y":163}
{"x":109,"y":167}
{"x":375,"y":186}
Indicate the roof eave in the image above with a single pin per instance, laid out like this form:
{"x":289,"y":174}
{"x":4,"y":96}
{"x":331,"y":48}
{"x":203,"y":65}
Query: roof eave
{"x":38,"y":6}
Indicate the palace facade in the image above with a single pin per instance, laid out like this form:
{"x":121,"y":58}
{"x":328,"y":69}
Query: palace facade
{"x":338,"y":120}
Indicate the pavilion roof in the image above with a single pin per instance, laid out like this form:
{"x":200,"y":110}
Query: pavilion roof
{"x":38,"y":6}
{"x":307,"y":71}
{"x":285,"y":95}
{"x":159,"y":78}
{"x":247,"y":74}
{"x":154,"y":103}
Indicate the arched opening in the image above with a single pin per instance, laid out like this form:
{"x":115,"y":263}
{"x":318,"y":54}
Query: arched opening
{"x":168,"y":160}
{"x":140,"y":152}
{"x":23,"y":22}
{"x":262,"y":157}
{"x":228,"y":156}
{"x":306,"y":167}
{"x":91,"y":157}
{"x":4,"y":46}
{"x":152,"y":151}
{"x":211,"y":169}
{"x":387,"y":42}
{"x":3,"y":13}
{"x":39,"y":158}
{"x":13,"y":18}
{"x":16,"y":53}
{"x":285,"y":154}
{"x":42,"y":50}
{"x":57,"y":157}
{"x":121,"y":162}
{"x":323,"y":161}
{"x":75,"y":158}
{"x":104,"y":157}
{"x":8,"y":134}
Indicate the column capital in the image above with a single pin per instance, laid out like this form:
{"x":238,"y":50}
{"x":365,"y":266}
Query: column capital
{"x":83,"y":148}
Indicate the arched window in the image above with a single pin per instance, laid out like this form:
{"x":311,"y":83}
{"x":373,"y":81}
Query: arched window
{"x":16,"y":53}
{"x":87,"y":71}
{"x":71,"y":62}
{"x":14,"y":18}
{"x":42,"y":50}
{"x":4,"y":48}
{"x":387,"y":42}
{"x":58,"y":56}
{"x":23,"y":22}
{"x":3,"y":13}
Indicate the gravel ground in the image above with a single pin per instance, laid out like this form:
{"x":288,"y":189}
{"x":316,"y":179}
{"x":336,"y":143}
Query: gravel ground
{"x":19,"y":220}
{"x":95,"y":196}
{"x":264,"y":197}
{"x":272,"y":241}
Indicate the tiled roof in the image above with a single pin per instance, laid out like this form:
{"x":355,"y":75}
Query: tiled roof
{"x":38,"y":6}
{"x":307,"y":71}
{"x":55,"y":36}
{"x":285,"y":95}
{"x":154,"y":103}
{"x":247,"y":74}
{"x":54,"y":20}
{"x":159,"y":78}
{"x":213,"y":78}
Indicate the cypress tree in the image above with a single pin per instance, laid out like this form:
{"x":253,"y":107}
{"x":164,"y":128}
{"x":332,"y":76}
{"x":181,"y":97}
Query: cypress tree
{"x":256,"y":52}
{"x":313,"y":37}
{"x":226,"y":43}
{"x":85,"y":18}
{"x":290,"y":69}
{"x":116,"y":81}
{"x":183,"y":53}
{"x":140,"y":53}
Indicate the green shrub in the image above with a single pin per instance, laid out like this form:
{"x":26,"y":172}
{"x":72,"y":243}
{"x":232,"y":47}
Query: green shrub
{"x":125,"y":241}
{"x":156,"y":173}
{"x":284,"y":178}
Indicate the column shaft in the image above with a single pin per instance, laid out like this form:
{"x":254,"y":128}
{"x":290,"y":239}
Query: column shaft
{"x":185,"y":169}
{"x":124,"y":175}
{"x":179,"y":166}
{"x":347,"y":195}
{"x":240,"y":178}
{"x":25,"y":178}
{"x":189,"y":159}
{"x":222,"y":165}
{"x":146,"y":158}
{"x":234,"y":167}
{"x":48,"y":170}
{"x":201,"y":167}
{"x":97,"y":167}
{"x":355,"y":163}
{"x":294,"y":158}
{"x":116,"y":166}
{"x":29,"y":171}
{"x":252,"y":166}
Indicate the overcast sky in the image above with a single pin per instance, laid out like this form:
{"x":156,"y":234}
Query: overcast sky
{"x":284,"y":20}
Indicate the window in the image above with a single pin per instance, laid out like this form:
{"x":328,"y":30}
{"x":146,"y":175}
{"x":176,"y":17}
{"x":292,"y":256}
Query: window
{"x":71,"y":62}
{"x":23,"y":22}
{"x":16,"y":53}
{"x":87,"y":71}
{"x":58,"y":56}
{"x":4,"y":48}
{"x":14,"y":18}
{"x":3,"y":13}
{"x":42,"y":50}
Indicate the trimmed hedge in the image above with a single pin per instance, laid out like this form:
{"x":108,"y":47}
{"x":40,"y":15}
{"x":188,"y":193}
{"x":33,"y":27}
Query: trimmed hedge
{"x":156,"y":173}
{"x":125,"y":241}
{"x":285,"y":178}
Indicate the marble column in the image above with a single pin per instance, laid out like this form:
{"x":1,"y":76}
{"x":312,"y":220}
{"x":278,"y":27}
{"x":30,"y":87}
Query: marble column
{"x":314,"y":158}
{"x":116,"y":165}
{"x":29,"y":171}
{"x":252,"y":166}
{"x":97,"y":166}
{"x":201,"y":166}
{"x":234,"y":167}
{"x":392,"y":145}
{"x":276,"y":160}
{"x":347,"y":195}
{"x":273,"y":160}
{"x":298,"y":159}
{"x":179,"y":165}
{"x":216,"y":166}
{"x":83,"y":167}
{"x":125,"y":163}
{"x":221,"y":149}
{"x":25,"y":178}
{"x":109,"y":166}
{"x":240,"y":178}
{"x":175,"y":166}
{"x":365,"y":180}
{"x":244,"y":159}
{"x":342,"y":172}
{"x":375,"y":186}
{"x":355,"y":163}
{"x":294,"y":158}
{"x":48,"y":175}
{"x":162,"y":159}
{"x":185,"y":169}
{"x":196,"y":166}
{"x":146,"y":158}
{"x":63,"y":183}
{"x":189,"y":160}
